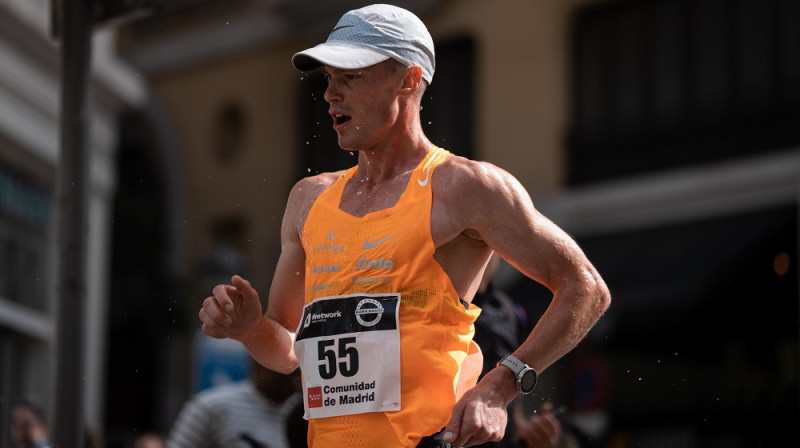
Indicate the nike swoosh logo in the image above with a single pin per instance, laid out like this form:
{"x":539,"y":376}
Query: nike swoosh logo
{"x":340,"y":27}
{"x":424,"y":182}
{"x":368,"y":245}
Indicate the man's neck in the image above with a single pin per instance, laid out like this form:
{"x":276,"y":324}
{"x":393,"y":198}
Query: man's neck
{"x":389,"y":162}
{"x":401,"y":152}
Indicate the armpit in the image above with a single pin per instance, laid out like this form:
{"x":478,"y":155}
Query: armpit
{"x":472,"y":234}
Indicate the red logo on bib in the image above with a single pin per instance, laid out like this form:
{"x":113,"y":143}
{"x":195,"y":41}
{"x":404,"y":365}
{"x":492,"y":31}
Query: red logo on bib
{"x":315,"y":397}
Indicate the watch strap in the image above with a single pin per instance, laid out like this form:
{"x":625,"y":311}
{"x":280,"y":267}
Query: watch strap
{"x":521,"y":371}
{"x":513,"y":363}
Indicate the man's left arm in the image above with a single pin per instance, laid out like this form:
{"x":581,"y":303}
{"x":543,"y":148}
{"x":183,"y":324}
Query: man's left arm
{"x":501,"y":213}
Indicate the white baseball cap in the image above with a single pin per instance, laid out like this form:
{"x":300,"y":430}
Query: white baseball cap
{"x":373,"y":34}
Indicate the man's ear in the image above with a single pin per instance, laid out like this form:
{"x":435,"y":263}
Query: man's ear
{"x":412,"y":80}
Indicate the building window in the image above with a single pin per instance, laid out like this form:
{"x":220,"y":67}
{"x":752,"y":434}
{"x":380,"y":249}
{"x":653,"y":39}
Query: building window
{"x":447,"y":111}
{"x":448,"y":105}
{"x":660,"y":84}
{"x":25,"y":211}
{"x":231,"y":127}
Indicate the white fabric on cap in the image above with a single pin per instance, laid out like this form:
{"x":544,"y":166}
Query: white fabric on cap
{"x":330,"y":53}
{"x":372,"y":34}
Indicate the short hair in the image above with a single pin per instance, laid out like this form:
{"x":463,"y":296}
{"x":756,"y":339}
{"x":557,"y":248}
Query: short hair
{"x":37,"y":410}
{"x":422,"y":86}
{"x":396,"y":65}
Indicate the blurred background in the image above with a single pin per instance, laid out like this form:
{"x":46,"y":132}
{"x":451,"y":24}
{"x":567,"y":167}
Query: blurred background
{"x":663,"y":135}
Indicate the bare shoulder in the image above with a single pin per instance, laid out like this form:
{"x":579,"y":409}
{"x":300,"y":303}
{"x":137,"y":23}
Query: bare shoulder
{"x":303,"y":195}
{"x":470,"y":196}
{"x":458,"y":178}
{"x":309,"y":188}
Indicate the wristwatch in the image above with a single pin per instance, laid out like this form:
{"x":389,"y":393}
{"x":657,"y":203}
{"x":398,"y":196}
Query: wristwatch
{"x":526,"y":376}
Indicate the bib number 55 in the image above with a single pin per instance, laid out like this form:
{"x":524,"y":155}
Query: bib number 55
{"x":347,"y":359}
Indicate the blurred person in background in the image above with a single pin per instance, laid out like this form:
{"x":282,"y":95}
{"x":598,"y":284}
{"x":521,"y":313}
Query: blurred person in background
{"x":541,"y":430}
{"x":498,"y":331}
{"x":410,"y":221}
{"x":29,"y":426}
{"x":502,"y":324}
{"x":93,"y":438}
{"x":148,"y":440}
{"x":297,"y":427}
{"x":245,"y":414}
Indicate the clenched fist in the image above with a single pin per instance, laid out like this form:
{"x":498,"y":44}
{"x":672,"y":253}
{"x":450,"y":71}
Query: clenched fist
{"x":231,"y":311}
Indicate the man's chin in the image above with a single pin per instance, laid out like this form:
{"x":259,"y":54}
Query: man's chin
{"x":347,"y":145}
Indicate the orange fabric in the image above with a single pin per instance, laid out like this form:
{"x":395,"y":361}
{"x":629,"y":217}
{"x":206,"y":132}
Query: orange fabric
{"x":470,"y":370}
{"x":392,"y":250}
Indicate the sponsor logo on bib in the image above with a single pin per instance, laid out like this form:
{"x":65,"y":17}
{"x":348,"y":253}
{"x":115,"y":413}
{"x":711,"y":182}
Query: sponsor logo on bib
{"x":369,"y":312}
{"x":315,"y":397}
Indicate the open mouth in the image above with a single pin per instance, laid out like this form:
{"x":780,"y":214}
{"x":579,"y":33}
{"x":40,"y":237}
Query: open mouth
{"x":340,"y":119}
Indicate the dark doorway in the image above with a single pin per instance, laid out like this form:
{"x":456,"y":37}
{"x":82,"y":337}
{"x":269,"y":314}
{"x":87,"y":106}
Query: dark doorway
{"x":146,"y":315}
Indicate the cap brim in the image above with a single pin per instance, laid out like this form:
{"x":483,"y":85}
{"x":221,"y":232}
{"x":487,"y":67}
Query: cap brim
{"x":336,"y":55}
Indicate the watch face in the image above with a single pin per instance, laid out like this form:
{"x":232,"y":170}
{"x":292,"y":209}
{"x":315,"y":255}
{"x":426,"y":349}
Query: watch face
{"x":528,"y":381}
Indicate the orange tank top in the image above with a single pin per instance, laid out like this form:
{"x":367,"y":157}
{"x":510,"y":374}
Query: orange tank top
{"x":380,"y":262}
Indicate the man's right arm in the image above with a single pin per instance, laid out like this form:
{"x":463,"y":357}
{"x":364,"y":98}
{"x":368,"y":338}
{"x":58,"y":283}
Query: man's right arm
{"x":271,"y":340}
{"x":234,"y":311}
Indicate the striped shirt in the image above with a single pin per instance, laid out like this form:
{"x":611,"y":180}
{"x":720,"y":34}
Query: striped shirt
{"x":233,"y":415}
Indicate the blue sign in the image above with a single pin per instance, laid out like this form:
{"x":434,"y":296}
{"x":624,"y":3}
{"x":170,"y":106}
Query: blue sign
{"x":219,"y":361}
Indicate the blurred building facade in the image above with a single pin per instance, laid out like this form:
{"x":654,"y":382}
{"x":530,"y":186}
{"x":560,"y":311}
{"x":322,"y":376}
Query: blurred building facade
{"x":29,"y":142}
{"x":662,"y":134}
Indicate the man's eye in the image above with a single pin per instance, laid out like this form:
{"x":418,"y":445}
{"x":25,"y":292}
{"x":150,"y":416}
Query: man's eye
{"x":350,"y":77}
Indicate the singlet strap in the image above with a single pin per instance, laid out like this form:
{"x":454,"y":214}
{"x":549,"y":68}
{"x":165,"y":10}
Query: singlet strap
{"x":418,"y":183}
{"x":331,"y":196}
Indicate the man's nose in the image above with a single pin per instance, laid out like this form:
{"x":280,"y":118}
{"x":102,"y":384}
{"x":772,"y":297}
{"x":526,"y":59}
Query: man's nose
{"x":332,"y":91}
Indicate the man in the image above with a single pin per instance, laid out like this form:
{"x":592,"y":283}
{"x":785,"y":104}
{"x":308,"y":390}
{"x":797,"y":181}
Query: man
{"x":249,"y":413}
{"x":148,"y":440}
{"x":29,"y":426}
{"x":379,"y":263}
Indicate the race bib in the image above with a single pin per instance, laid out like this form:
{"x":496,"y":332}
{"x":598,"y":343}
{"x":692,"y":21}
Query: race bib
{"x":349,"y":352}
